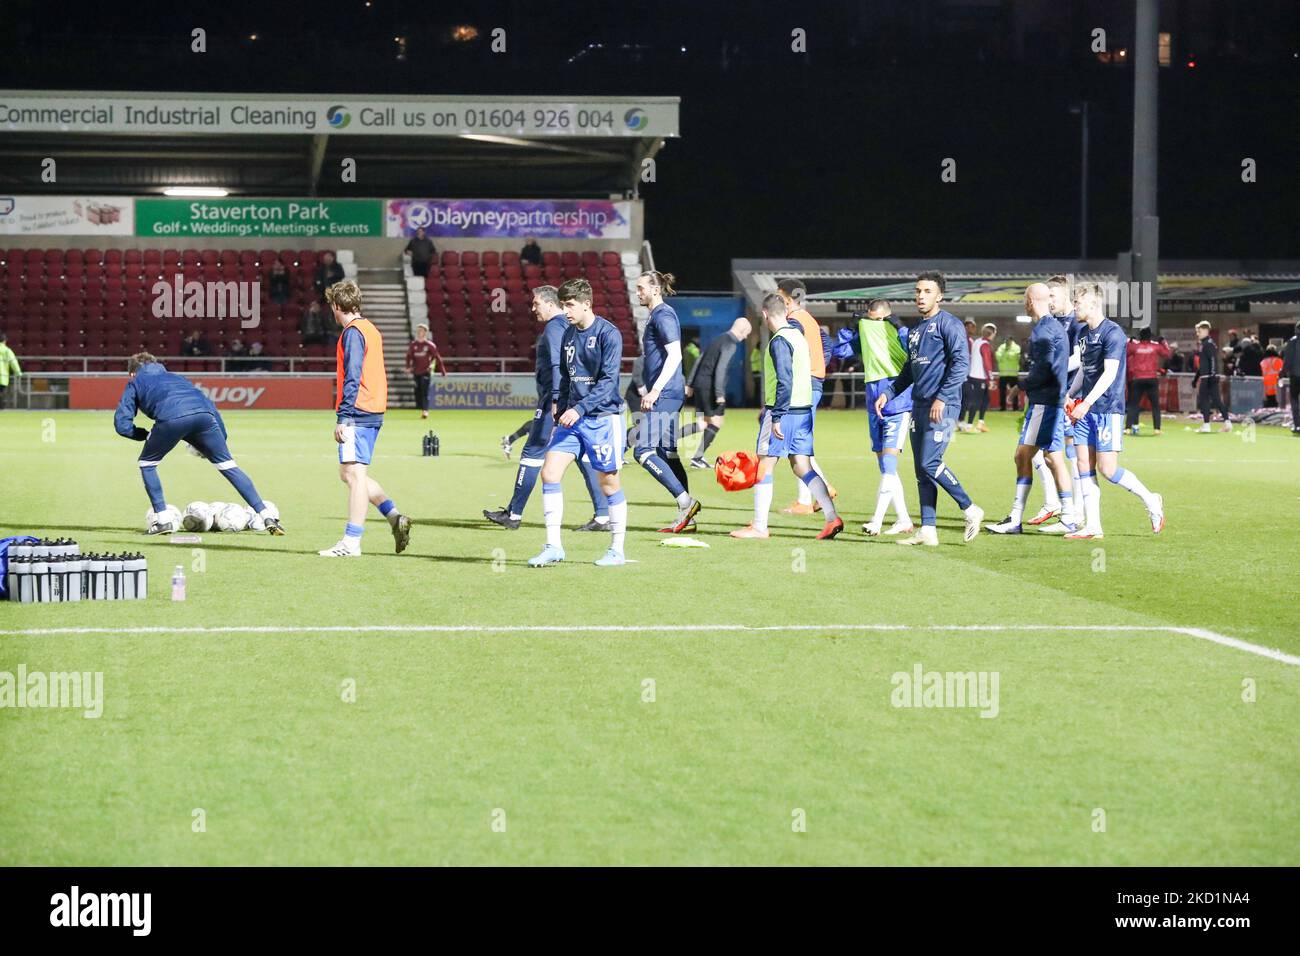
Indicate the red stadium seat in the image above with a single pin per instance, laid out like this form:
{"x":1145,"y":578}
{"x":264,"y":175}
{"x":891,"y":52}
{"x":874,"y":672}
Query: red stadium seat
{"x":450,"y":258}
{"x":550,"y":258}
{"x":469,"y":260}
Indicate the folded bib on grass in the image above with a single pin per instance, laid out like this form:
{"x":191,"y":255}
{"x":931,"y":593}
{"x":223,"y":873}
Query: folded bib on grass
{"x":736,"y":470}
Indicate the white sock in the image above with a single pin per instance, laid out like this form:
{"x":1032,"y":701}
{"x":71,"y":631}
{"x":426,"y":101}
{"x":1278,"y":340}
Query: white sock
{"x":805,"y":496}
{"x":618,"y":525}
{"x":684,"y":500}
{"x":884,"y":496}
{"x":1022,"y":495}
{"x":1092,"y":504}
{"x":552,"y":513}
{"x":604,"y":519}
{"x":823,"y":494}
{"x":392,"y":517}
{"x":900,"y":502}
{"x":763,"y":502}
{"x":1051,"y":498}
{"x":1068,"y":515}
{"x":1076,"y":485}
{"x":1130,"y":482}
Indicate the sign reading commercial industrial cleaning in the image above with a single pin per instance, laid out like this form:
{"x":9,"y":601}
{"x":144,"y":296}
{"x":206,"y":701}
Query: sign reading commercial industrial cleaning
{"x":274,"y":218}
{"x":273,"y":114}
{"x":510,"y":218}
{"x":66,"y":216}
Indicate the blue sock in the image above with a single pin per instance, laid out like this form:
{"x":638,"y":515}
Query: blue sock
{"x":661,"y":473}
{"x":1115,"y":478}
{"x":153,"y":485}
{"x":525,"y":482}
{"x":386,"y":506}
{"x":244,"y":485}
{"x":598,"y":500}
{"x":353,"y":530}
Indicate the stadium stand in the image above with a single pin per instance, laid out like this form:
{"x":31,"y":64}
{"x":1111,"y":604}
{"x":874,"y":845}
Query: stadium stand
{"x":90,"y":304}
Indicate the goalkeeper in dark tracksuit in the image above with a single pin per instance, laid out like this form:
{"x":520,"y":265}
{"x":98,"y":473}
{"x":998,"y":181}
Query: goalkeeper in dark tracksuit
{"x":708,"y":386}
{"x":180,"y":412}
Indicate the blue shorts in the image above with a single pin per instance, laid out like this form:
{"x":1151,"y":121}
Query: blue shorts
{"x":539,"y":437}
{"x":202,"y":430}
{"x":796,"y":426}
{"x":888,"y":431}
{"x":1103,"y":431}
{"x":599,"y":439}
{"x":1044,"y":427}
{"x":818,"y":386}
{"x":358,"y":444}
{"x":658,"y":429}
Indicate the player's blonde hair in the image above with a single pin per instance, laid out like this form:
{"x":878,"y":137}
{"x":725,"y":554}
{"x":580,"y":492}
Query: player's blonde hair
{"x":345,"y":295}
{"x":138,"y":359}
{"x":1086,"y":290}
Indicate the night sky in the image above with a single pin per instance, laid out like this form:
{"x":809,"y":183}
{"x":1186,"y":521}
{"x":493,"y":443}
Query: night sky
{"x":835,"y":152}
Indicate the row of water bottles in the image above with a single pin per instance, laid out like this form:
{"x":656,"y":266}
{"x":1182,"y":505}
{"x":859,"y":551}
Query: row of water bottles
{"x":77,"y":577}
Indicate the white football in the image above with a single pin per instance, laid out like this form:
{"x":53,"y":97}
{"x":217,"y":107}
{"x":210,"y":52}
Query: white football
{"x":232,"y":518}
{"x":164,"y":522}
{"x":256,"y":522}
{"x":197,"y":517}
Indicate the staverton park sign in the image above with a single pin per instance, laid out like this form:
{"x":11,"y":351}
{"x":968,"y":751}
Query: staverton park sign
{"x":281,"y":114}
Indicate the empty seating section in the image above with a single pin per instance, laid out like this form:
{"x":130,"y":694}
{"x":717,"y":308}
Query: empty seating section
{"x":89,"y":303}
{"x":461,"y":288}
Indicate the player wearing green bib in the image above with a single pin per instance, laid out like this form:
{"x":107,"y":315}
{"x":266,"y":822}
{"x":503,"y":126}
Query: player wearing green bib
{"x":882,"y":339}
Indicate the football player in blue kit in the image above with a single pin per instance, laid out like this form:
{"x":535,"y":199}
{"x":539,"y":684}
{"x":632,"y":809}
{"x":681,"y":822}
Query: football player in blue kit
{"x":589,"y":421}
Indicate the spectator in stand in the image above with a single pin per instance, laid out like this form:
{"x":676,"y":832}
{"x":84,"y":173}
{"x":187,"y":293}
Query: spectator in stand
{"x":422,"y":252}
{"x":976,"y":402}
{"x":237,"y":351}
{"x":1291,"y":372}
{"x":422,"y":357}
{"x":1206,"y":380}
{"x":1176,"y":361}
{"x":1145,"y":364}
{"x":8,"y":364}
{"x":277,"y":282}
{"x":312,"y":324}
{"x":328,"y":272}
{"x":1270,"y":368}
{"x":195,"y":344}
{"x":1250,"y":357}
{"x":1007,"y":360}
{"x":531,"y":253}
{"x":256,"y":361}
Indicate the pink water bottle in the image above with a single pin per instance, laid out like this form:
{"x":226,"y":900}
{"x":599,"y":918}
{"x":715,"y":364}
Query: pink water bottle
{"x":178,"y":584}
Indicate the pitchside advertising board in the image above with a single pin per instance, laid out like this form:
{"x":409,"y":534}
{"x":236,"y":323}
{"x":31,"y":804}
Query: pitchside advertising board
{"x":67,"y":216}
{"x":226,"y":391}
{"x":338,"y":115}
{"x":491,"y":391}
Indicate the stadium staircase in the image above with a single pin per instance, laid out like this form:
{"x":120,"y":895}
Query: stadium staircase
{"x":384,"y":296}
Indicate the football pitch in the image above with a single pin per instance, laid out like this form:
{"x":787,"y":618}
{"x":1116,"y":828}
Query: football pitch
{"x":1133,"y":701}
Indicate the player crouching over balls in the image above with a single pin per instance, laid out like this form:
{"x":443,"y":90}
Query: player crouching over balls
{"x":180,"y":412}
{"x":362,"y":401}
{"x":590,"y":423}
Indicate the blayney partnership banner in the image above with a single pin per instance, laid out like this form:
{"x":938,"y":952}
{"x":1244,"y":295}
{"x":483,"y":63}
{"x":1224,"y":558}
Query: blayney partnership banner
{"x":509,"y":218}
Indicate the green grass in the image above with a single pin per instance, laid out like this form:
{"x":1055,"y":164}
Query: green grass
{"x":746,"y":726}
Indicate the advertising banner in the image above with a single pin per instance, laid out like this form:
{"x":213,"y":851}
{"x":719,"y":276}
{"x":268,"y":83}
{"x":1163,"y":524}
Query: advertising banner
{"x":490,"y":391}
{"x":270,"y":218}
{"x":226,"y":391}
{"x":509,"y":218}
{"x":23,"y":111}
{"x":66,"y":216}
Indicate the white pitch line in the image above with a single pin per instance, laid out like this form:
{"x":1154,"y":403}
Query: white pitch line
{"x":1196,"y":632}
